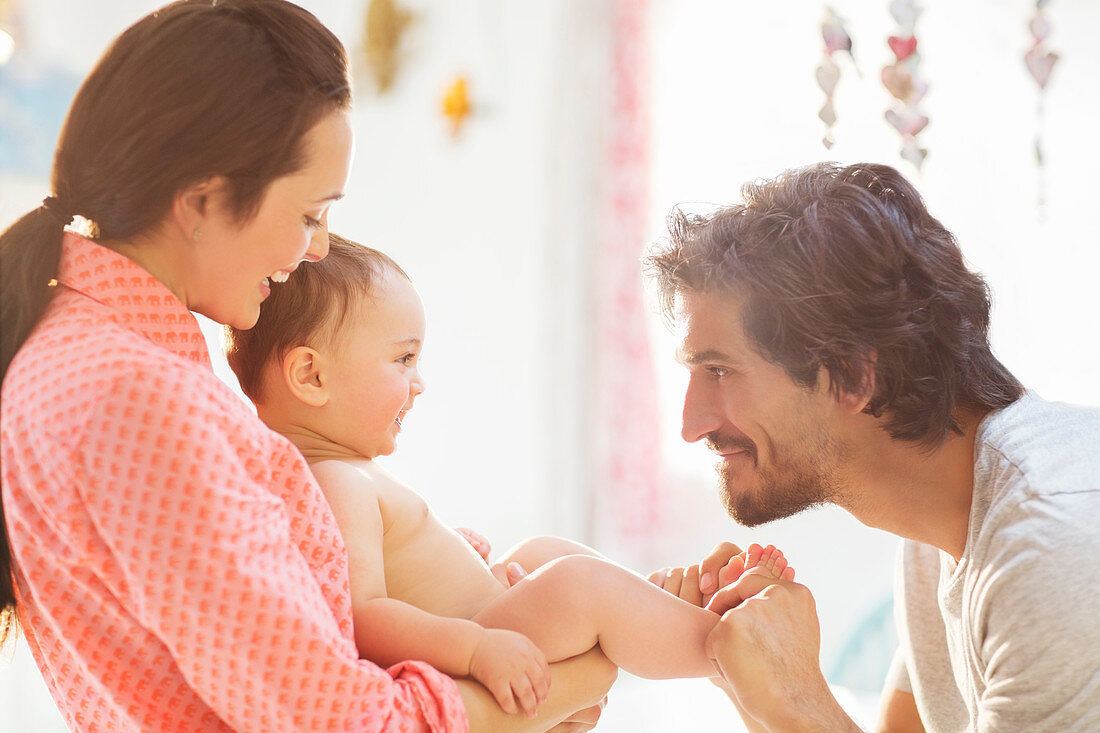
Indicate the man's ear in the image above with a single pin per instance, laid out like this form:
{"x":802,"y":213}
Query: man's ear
{"x":193,"y":205}
{"x":857,"y":400}
{"x":304,"y":374}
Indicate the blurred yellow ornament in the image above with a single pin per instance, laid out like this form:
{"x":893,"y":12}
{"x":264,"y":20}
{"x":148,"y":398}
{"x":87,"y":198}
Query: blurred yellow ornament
{"x":456,"y":104}
{"x":386,"y":25}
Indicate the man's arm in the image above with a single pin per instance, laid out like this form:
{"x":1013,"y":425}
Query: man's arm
{"x":898,"y":713}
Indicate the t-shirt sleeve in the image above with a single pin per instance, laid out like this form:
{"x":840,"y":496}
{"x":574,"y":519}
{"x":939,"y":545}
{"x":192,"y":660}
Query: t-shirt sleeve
{"x":1034,"y":621}
{"x":201,"y":553}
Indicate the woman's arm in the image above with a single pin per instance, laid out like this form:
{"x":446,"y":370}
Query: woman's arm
{"x":205,"y":544}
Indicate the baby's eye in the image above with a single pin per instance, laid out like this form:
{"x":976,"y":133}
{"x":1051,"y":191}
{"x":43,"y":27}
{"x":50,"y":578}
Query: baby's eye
{"x":408,"y":359}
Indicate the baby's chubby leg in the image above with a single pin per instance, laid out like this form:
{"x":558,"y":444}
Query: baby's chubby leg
{"x":534,"y":552}
{"x":571,"y":604}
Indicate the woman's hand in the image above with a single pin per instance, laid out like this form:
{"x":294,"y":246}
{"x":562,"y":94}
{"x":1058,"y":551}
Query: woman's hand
{"x":582,"y":720}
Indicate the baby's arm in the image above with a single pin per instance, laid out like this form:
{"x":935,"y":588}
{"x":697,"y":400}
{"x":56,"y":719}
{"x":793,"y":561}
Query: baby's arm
{"x":388,"y":631}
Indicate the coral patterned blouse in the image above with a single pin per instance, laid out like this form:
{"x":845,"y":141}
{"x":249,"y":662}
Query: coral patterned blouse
{"x":177,"y":566}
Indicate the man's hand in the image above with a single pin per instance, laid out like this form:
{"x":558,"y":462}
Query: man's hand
{"x":767,"y":647}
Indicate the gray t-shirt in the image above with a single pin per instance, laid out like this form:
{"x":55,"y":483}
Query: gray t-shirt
{"x":1009,"y":638}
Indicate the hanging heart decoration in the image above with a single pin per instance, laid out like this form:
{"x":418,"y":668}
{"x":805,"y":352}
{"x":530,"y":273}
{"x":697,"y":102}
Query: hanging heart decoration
{"x":828,"y":74}
{"x":904,"y":82}
{"x":898,"y":81}
{"x":903,"y":48}
{"x":908,"y":123}
{"x":904,"y":13}
{"x":837,"y":41}
{"x":1040,"y":63}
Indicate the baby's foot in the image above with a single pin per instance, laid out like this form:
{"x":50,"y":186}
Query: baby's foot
{"x":770,"y":559}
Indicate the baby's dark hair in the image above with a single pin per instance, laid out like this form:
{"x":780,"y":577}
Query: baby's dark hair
{"x":309,"y":308}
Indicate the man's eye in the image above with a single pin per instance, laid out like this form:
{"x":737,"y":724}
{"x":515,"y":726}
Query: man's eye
{"x":718,"y":372}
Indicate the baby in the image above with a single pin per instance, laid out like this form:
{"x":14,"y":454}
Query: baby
{"x":332,"y":365}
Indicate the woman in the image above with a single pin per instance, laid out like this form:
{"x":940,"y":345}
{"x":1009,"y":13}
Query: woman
{"x":175,"y":565}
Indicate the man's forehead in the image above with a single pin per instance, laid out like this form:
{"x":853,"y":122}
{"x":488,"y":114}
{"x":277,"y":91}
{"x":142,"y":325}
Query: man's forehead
{"x":708,"y":325}
{"x":720,"y":310}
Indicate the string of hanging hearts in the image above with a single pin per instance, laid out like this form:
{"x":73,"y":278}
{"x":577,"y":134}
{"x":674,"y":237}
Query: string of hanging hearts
{"x":1040,"y":62}
{"x":837,"y":41}
{"x":904,"y":82}
{"x":902,"y":78}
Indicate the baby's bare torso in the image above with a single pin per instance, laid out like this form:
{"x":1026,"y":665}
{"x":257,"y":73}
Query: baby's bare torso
{"x":428,"y":564}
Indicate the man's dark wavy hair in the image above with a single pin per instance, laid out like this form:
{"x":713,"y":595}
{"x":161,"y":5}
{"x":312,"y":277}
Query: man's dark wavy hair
{"x":844,"y":267}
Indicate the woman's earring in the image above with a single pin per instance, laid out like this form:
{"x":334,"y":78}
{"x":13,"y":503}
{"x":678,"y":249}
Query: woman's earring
{"x":196,"y":235}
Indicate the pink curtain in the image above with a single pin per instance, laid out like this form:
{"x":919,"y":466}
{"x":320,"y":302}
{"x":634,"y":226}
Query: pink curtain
{"x":628,"y":461}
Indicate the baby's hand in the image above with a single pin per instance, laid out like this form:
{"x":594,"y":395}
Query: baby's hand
{"x":477,"y":541}
{"x":513,"y":669}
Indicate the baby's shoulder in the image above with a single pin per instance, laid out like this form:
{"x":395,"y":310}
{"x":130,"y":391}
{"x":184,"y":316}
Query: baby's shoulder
{"x":359,"y":477}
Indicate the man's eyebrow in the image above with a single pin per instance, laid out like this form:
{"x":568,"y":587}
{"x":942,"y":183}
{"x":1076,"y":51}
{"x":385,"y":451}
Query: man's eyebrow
{"x":692,"y":358}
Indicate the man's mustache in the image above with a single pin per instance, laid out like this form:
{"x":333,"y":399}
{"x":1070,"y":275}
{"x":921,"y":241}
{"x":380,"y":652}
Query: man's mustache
{"x":722,"y":444}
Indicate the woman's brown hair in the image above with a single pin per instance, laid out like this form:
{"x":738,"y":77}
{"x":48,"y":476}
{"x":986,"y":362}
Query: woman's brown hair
{"x":199,"y":88}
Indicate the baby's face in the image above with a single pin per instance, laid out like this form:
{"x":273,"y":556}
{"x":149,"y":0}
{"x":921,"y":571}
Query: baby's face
{"x":374,"y":375}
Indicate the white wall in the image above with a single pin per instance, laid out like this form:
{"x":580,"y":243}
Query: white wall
{"x":493,"y":227}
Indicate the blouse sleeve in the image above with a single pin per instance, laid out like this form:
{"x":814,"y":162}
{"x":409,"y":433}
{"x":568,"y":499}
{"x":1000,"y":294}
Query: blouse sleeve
{"x":202,"y":553}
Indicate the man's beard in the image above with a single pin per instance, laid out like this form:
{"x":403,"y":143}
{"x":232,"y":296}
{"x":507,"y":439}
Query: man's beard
{"x":802,"y":476}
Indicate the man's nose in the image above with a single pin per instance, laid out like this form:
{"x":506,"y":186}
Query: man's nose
{"x":700,"y":416}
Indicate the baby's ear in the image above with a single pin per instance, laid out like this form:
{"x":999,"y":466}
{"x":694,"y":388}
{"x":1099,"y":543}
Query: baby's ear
{"x":303,"y":372}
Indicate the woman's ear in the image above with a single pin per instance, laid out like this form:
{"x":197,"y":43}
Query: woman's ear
{"x":304,"y":375}
{"x":193,"y":205}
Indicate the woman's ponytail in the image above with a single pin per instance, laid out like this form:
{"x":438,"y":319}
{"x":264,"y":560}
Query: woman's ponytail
{"x":30,"y":250}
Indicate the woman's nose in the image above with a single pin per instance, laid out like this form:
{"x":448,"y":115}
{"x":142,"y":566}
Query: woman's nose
{"x":318,"y":243}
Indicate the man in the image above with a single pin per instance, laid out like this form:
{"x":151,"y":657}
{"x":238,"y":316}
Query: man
{"x":838,"y":353}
